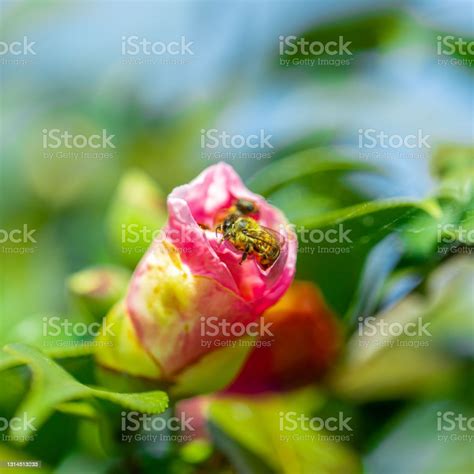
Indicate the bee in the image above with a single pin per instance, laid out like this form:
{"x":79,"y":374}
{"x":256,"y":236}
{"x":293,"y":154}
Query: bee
{"x":241,"y":207}
{"x":245,"y":207}
{"x":226,"y":217}
{"x":247,"y":235}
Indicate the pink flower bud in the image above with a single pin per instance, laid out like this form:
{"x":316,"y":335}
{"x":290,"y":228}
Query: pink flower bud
{"x":191,"y":273}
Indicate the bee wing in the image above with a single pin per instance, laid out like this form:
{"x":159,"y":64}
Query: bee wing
{"x":255,"y":234}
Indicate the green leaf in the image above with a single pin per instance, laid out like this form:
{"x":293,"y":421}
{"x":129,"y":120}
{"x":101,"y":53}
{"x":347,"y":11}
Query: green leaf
{"x":145,"y":402}
{"x":364,"y":31}
{"x":358,"y":229}
{"x":465,"y":232}
{"x":52,"y":387}
{"x":451,"y":301}
{"x":454,"y":167}
{"x":362,"y":210}
{"x":243,"y":459}
{"x":305,"y":164}
{"x":138,"y":210}
{"x":377,"y":270}
{"x":416,"y":432}
{"x":81,"y":409}
{"x":254,"y":424}
{"x":380,"y":366}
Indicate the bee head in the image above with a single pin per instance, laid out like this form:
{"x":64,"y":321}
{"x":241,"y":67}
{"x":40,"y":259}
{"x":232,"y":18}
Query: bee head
{"x":227,"y":225}
{"x":245,"y":206}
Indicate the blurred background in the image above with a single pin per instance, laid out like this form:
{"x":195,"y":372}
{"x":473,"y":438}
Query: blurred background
{"x":82,"y":75}
{"x":77,"y":81}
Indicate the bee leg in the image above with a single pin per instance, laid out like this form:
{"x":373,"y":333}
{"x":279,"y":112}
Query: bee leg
{"x":245,"y":254}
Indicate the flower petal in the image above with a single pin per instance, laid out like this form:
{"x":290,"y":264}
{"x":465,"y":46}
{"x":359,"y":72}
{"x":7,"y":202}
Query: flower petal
{"x":166,"y":303}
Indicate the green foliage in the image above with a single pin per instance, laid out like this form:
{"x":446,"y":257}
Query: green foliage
{"x":382,"y":366}
{"x":137,"y":211}
{"x":365,"y":225}
{"x":415,"y":432}
{"x":366,"y":32}
{"x":52,"y":388}
{"x":255,"y":425}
